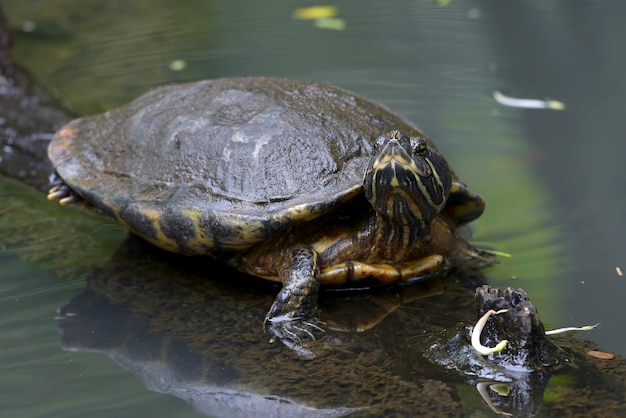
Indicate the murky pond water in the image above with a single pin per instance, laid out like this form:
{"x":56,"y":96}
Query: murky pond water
{"x":553,"y":181}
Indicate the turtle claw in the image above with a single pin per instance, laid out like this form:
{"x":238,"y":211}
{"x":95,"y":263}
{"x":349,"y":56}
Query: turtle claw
{"x":292,"y":332}
{"x":72,"y":198}
{"x":56,"y":193}
{"x":61,"y":191}
{"x":293,"y":329}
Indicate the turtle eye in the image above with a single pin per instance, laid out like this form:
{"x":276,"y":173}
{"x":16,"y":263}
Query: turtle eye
{"x":419,"y":147}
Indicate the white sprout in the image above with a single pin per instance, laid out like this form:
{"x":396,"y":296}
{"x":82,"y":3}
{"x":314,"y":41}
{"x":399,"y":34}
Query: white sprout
{"x":567,"y":329}
{"x":478,"y":329}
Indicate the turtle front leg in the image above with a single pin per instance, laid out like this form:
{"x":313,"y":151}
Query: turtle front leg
{"x":294,"y":314}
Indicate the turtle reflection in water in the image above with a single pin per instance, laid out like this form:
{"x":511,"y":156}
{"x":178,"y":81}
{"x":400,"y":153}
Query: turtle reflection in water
{"x":287,"y":180}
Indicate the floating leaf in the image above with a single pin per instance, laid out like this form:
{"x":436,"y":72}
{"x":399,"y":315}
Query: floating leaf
{"x":178,"y":65}
{"x":331,"y":23}
{"x":527,"y":103}
{"x":315,"y":12}
{"x":601,"y":355}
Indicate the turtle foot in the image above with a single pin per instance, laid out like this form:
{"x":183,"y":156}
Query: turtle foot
{"x":61,"y":191}
{"x":294,"y":315}
{"x":294,"y":333}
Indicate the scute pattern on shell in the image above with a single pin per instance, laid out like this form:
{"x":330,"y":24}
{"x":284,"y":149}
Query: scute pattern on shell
{"x":244,"y":156}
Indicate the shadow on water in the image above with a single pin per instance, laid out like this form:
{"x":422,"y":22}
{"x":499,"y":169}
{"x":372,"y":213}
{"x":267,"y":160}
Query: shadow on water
{"x":187,"y":332}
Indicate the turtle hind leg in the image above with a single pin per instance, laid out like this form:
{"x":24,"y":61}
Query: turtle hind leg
{"x":61,"y":191}
{"x":294,"y":314}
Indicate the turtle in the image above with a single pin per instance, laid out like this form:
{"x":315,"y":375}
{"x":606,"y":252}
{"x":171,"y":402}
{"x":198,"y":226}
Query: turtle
{"x":294,"y":181}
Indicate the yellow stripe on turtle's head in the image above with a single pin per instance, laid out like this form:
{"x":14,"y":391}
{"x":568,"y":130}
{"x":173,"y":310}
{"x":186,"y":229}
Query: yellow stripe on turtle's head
{"x":407,"y":182}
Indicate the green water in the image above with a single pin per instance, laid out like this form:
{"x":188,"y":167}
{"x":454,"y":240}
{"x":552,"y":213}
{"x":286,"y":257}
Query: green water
{"x":553,"y":181}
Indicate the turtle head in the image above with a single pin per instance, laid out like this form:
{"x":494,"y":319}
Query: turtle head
{"x":407,"y":182}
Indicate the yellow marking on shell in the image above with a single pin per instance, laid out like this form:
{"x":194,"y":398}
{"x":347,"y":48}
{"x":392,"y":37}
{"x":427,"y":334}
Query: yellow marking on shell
{"x":200,"y":240}
{"x":160,"y":239}
{"x":249,"y":233}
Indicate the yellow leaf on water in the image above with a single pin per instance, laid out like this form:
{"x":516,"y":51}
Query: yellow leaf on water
{"x":178,"y":65}
{"x":315,"y":12}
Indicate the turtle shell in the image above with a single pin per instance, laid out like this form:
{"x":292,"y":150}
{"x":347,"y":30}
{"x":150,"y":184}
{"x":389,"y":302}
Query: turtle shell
{"x":219,"y":165}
